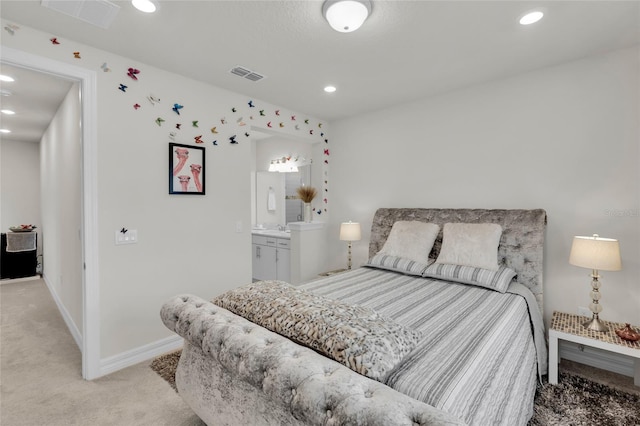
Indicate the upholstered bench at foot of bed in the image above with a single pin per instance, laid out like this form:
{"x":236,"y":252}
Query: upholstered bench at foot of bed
{"x":235,"y":372}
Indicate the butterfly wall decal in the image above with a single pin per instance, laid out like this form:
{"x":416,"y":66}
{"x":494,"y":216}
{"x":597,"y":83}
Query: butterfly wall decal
{"x":123,"y":88}
{"x":306,"y":121}
{"x":76,"y":55}
{"x":215,"y":142}
{"x":261,"y":113}
{"x":11,"y":28}
{"x":198,"y":139}
{"x":136,"y":106}
{"x":233,"y":109}
{"x":246,"y":134}
{"x":251,"y":105}
{"x":277,"y":112}
{"x":105,"y":67}
{"x":311,"y":131}
{"x":326,"y":152}
{"x":133,"y":73}
{"x":269,"y":124}
{"x":232,"y":140}
{"x":176,"y":108}
{"x":214,"y":130}
{"x":54,"y":40}
{"x":223,"y":120}
{"x":172,"y":136}
{"x":159,"y":121}
{"x":153,"y":99}
{"x":194,"y":123}
{"x":178,"y":125}
{"x":281,"y":124}
{"x":293,"y":118}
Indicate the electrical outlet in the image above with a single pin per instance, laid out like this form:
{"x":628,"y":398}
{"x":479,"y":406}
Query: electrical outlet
{"x":585,"y":312}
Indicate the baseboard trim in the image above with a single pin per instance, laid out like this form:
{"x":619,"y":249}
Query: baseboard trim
{"x":143,"y":353}
{"x":71,"y":325}
{"x":598,"y":358}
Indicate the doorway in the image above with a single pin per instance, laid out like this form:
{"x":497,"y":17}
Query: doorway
{"x":86,"y":79}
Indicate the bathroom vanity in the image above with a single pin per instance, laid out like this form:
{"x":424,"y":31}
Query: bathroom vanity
{"x":271,"y":257}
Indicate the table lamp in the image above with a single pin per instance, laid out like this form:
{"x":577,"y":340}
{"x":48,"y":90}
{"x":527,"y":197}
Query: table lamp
{"x":350,"y":231}
{"x":595,"y":253}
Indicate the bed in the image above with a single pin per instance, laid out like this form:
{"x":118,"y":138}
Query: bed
{"x":477,"y":354}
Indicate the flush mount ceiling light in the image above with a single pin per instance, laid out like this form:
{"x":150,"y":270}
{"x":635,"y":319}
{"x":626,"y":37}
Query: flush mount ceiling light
{"x":346,"y":16}
{"x":6,"y":78}
{"x":146,"y":6}
{"x":7,"y":111}
{"x":330,"y":89}
{"x":5,"y":131}
{"x":531,"y":17}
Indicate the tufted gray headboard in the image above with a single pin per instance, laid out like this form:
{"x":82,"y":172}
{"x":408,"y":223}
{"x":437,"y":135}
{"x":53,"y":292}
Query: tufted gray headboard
{"x":521,"y":244}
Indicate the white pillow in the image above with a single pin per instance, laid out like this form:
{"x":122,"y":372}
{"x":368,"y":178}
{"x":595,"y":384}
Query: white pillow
{"x":470,"y":244}
{"x":412,"y":240}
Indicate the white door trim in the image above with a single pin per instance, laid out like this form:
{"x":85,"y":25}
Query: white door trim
{"x":90,"y":281}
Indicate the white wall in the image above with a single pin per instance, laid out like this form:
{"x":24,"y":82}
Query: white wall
{"x":565,"y":139}
{"x":19,"y":184}
{"x":187,"y":243}
{"x":61,"y":183}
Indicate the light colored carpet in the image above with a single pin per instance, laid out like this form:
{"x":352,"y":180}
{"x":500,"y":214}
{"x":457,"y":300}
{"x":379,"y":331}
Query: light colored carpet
{"x":41,"y":380}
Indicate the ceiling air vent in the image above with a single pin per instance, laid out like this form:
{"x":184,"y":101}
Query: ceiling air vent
{"x":100,"y":13}
{"x":246,"y":73}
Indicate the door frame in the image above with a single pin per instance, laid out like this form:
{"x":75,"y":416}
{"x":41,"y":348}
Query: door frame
{"x":87,"y":80}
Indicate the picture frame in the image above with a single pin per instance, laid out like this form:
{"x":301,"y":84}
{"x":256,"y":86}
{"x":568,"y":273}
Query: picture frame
{"x":186,"y":169}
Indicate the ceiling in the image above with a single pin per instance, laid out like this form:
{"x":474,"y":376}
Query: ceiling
{"x":406,"y":50}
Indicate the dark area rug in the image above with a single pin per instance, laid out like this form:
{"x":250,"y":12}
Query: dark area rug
{"x":574,"y":401}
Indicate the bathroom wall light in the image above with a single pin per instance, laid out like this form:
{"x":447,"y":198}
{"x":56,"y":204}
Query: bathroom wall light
{"x":346,"y":16}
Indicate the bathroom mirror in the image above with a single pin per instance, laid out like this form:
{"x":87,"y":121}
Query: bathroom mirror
{"x":274,"y":199}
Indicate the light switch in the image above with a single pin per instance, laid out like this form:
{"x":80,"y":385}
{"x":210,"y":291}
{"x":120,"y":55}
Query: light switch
{"x":129,"y":237}
{"x":239,"y":226}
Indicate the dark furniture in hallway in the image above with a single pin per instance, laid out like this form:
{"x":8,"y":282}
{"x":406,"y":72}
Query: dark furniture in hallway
{"x":17,"y":265}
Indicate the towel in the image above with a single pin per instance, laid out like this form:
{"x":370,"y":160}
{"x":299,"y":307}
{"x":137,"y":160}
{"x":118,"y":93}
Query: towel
{"x":271,"y":200}
{"x":21,"y":241}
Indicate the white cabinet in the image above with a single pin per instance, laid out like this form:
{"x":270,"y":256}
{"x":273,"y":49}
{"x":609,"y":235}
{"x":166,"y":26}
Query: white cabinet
{"x":271,"y":258}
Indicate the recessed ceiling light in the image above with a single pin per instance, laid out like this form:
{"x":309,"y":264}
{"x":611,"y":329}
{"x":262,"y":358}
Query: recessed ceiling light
{"x":5,"y":131}
{"x":146,"y":6}
{"x":5,"y":78}
{"x":7,"y":111}
{"x":531,"y":17}
{"x":330,"y":89}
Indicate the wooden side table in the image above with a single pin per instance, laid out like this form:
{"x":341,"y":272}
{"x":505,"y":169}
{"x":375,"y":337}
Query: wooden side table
{"x":569,"y":327}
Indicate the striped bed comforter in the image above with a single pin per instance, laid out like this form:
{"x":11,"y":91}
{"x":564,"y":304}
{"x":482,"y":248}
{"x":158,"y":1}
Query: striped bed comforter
{"x":477,"y":358}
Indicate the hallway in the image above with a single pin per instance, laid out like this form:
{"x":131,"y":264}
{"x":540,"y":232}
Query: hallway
{"x":41,"y":380}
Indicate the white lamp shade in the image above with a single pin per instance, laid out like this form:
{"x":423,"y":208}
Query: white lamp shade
{"x":350,"y":231}
{"x":596,"y":253}
{"x":346,"y":15}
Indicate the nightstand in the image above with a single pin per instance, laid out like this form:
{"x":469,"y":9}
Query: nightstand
{"x":569,"y":327}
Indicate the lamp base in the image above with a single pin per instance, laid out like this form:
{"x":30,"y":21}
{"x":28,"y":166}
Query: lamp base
{"x":596,"y":325}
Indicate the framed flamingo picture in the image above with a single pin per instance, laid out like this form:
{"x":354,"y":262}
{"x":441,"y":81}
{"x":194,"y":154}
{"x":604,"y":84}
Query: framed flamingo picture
{"x":186,"y":169}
